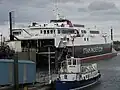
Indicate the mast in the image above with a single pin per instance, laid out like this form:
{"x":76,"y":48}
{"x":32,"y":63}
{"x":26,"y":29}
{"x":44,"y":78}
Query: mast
{"x":111,"y":33}
{"x":112,"y":38}
{"x":11,"y":25}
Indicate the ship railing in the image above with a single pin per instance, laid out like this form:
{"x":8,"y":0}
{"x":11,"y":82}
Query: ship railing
{"x":46,"y":53}
{"x":87,"y":69}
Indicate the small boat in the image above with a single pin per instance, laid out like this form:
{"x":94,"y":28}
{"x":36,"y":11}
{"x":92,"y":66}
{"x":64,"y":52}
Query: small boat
{"x":74,"y":76}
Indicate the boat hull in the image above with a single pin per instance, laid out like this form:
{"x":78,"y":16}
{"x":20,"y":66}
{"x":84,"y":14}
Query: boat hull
{"x":71,"y":85}
{"x":90,"y":50}
{"x":85,"y":53}
{"x":93,"y":52}
{"x":99,"y":57}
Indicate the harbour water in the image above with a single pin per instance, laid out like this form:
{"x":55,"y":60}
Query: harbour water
{"x":110,"y":74}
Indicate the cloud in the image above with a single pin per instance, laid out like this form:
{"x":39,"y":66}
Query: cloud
{"x":40,"y":10}
{"x":106,"y":13}
{"x":101,"y":5}
{"x":25,"y":10}
{"x":65,"y":1}
{"x":82,"y":10}
{"x":97,"y":11}
{"x":103,"y":13}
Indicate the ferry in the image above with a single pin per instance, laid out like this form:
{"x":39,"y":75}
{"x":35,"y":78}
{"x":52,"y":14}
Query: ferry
{"x":60,"y":35}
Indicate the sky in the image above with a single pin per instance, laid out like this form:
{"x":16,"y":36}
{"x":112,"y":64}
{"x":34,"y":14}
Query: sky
{"x":103,"y":14}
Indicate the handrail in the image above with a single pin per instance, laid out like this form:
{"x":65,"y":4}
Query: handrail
{"x":27,"y":32}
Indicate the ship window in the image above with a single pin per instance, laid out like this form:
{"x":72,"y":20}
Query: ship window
{"x":44,"y":31}
{"x":54,"y":31}
{"x":94,"y":32}
{"x":40,"y":31}
{"x":84,"y":39}
{"x":58,"y":31}
{"x":74,"y":61}
{"x":16,"y":33}
{"x":83,"y":31}
{"x":87,"y":39}
{"x":68,"y":31}
{"x":51,"y":31}
{"x":65,"y":76}
{"x":47,"y":31}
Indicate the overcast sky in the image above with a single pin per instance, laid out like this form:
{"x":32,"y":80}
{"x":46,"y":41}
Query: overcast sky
{"x":102,"y":13}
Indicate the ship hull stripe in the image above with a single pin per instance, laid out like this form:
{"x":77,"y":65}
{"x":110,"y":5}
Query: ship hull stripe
{"x":99,"y":57}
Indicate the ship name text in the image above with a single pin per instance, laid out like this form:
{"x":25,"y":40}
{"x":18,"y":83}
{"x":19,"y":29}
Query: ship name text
{"x":92,"y":50}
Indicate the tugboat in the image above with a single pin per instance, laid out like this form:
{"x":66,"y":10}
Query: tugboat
{"x":74,"y":76}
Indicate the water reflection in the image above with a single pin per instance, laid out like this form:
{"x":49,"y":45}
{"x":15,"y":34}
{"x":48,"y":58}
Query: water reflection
{"x":110,"y":79}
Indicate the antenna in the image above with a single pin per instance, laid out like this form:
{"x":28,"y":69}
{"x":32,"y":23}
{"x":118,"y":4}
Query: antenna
{"x":57,"y":13}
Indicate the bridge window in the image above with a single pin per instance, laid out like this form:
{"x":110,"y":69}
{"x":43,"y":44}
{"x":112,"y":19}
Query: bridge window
{"x":69,"y":62}
{"x":74,"y":61}
{"x":58,"y":31}
{"x":68,"y":31}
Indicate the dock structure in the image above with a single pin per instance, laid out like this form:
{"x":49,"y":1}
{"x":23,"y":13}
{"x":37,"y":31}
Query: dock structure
{"x":12,"y":88}
{"x":42,"y":79}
